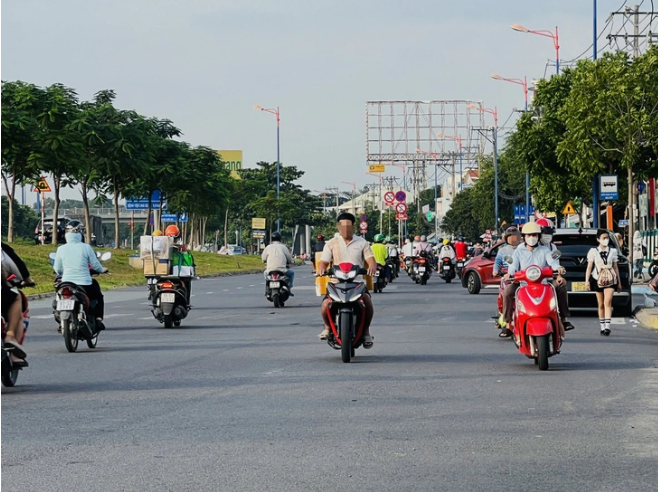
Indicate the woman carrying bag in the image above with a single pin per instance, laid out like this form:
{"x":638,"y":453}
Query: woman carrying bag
{"x":602,"y":277}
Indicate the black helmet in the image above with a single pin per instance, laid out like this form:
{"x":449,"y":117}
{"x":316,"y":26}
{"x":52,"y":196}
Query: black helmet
{"x":460,"y":238}
{"x":276,"y":236}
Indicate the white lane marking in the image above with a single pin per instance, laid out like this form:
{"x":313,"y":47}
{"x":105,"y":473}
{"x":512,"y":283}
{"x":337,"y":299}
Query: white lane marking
{"x":42,"y":316}
{"x":224,"y":290}
{"x":150,"y":317}
{"x":239,"y":288}
{"x":208,"y":293}
{"x":145,"y":303}
{"x":252,"y":286}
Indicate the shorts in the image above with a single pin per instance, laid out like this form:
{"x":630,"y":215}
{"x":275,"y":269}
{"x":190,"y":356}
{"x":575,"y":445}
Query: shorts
{"x":594,"y":285}
{"x":9,"y":295}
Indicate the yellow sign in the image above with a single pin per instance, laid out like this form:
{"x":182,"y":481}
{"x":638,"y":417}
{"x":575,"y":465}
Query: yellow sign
{"x":376,"y":168}
{"x":233,"y":160}
{"x":258,"y":223}
{"x":42,"y":186}
{"x":569,"y":209}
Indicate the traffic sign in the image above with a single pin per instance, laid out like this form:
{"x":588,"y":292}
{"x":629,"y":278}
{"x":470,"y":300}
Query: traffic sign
{"x":623,"y":223}
{"x":174,"y":217}
{"x":401,"y":216}
{"x":608,"y":187}
{"x":42,"y":186}
{"x":376,"y":168}
{"x":389,"y":197}
{"x":143,"y":203}
{"x":258,"y":223}
{"x":430,"y":215}
{"x":363,"y":226}
{"x":363,"y":217}
{"x":401,"y":196}
{"x":401,"y":208}
{"x":569,"y":209}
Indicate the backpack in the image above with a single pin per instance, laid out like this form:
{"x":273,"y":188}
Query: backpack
{"x":607,"y":276}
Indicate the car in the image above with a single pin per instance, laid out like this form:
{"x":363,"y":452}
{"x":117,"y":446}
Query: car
{"x":234,"y":249}
{"x":477,"y":271}
{"x":574,"y":244}
{"x":48,"y":231}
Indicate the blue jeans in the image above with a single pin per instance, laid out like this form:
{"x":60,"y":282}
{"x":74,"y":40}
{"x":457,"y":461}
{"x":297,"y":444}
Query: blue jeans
{"x":289,"y":273}
{"x":639,"y":264}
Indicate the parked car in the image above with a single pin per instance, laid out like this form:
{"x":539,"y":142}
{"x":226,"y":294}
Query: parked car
{"x":48,"y":231}
{"x":234,"y":249}
{"x":477,"y":271}
{"x":574,"y":245}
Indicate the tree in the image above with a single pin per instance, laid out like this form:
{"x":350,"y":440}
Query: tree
{"x":25,"y":222}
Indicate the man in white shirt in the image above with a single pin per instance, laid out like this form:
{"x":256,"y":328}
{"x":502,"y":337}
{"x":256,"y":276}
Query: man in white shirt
{"x":278,"y":259}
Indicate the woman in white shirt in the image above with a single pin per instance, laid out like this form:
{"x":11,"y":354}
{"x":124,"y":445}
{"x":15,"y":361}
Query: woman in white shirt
{"x":600,"y":259}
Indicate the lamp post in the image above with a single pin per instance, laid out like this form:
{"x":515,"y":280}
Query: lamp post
{"x":353,"y":194}
{"x":381,"y":202}
{"x":276,"y":113}
{"x":457,"y":139}
{"x":436,"y":195}
{"x":324,"y":200}
{"x":494,"y":133}
{"x":523,"y":83}
{"x":546,"y":34}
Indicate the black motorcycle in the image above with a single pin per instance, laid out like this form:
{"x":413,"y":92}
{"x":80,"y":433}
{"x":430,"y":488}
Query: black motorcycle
{"x":169,"y":299}
{"x":379,"y":280}
{"x":447,"y":270}
{"x":277,"y":289}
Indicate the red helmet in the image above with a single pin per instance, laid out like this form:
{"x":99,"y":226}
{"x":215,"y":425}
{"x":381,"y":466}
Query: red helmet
{"x":172,"y":231}
{"x":547,"y":226}
{"x":320,"y":237}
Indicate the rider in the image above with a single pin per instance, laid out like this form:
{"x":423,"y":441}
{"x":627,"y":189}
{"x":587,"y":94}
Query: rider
{"x":348,"y":248}
{"x":512,"y":238}
{"x":447,"y":251}
{"x":423,"y":247}
{"x":173,"y":231}
{"x":319,"y":246}
{"x":380,"y":251}
{"x":73,"y":262}
{"x":547,"y":231}
{"x":278,"y":259}
{"x":393,"y":254}
{"x":528,"y":253}
{"x":461,"y":248}
{"x":12,"y":307}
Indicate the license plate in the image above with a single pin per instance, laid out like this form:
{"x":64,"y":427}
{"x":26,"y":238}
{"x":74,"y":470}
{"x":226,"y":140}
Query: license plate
{"x":65,"y":304}
{"x":275,"y":285}
{"x":168,"y":297}
{"x":460,"y":265}
{"x":421,"y":269}
{"x":447,"y":267}
{"x":579,"y":286}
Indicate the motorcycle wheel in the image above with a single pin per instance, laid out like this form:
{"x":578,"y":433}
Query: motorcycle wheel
{"x":653,"y":269}
{"x":9,"y":375}
{"x":91,"y":342}
{"x":542,"y":352}
{"x":168,"y":321}
{"x":70,"y":332}
{"x":277,"y":301}
{"x":345,"y":337}
{"x":423,"y":281}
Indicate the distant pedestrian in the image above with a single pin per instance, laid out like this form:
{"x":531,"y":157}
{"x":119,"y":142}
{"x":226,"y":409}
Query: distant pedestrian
{"x":638,"y":254}
{"x":602,"y":277}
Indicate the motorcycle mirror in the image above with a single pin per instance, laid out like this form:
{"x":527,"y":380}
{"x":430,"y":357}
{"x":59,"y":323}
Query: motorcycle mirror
{"x":52,"y":256}
{"x":106,"y":256}
{"x":508,"y":259}
{"x":98,"y":255}
{"x":556,"y":254}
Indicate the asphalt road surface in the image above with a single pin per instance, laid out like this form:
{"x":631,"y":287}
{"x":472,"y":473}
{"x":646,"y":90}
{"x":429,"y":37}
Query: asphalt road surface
{"x":244,"y":397}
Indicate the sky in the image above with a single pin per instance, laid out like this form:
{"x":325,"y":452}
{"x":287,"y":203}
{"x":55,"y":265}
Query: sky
{"x":205,"y":63}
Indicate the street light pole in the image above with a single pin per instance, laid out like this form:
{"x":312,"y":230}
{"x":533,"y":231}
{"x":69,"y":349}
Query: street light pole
{"x":276,"y":112}
{"x":547,"y":34}
{"x":494,"y":134}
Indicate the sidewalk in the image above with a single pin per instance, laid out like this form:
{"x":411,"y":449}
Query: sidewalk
{"x":645,"y":315}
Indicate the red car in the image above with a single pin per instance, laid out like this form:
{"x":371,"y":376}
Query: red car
{"x":477,"y":271}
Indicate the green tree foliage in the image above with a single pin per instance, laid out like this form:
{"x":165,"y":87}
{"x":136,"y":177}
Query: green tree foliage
{"x":25,"y":220}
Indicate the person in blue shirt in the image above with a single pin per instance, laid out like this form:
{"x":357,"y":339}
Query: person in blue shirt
{"x":512,"y":238}
{"x":73,"y":262}
{"x":528,"y":253}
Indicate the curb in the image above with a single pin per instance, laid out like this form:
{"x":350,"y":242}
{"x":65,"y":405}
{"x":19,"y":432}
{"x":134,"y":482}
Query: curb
{"x":648,"y":317}
{"x":47,"y":295}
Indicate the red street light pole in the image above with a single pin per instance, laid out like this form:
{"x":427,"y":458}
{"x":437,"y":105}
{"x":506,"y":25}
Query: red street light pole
{"x":522,"y":82}
{"x":546,"y":34}
{"x":276,"y":113}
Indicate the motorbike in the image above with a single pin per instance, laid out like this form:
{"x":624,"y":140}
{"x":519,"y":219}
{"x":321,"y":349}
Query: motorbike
{"x":460,"y":266}
{"x":447,"y":270}
{"x":276,"y":288}
{"x":346,"y":309}
{"x":379,"y":281}
{"x":536,"y":319}
{"x":169,"y":303}
{"x":408,"y":265}
{"x":393,"y":264}
{"x":73,"y":311}
{"x":10,"y":369}
{"x":653,"y":267}
{"x":421,"y":269}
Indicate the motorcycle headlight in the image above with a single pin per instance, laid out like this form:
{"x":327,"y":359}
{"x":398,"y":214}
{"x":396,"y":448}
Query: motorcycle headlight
{"x":356,"y":297}
{"x":334,"y":296}
{"x":520,"y":307}
{"x":533,"y":273}
{"x":553,"y":303}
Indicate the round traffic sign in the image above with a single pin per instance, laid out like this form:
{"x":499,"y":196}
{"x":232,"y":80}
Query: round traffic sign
{"x":363,"y":217}
{"x":389,"y":197}
{"x":401,"y":208}
{"x":400,"y":196}
{"x":363,"y":226}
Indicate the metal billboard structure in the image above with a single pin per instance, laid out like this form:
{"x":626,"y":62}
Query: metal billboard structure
{"x":407,"y":133}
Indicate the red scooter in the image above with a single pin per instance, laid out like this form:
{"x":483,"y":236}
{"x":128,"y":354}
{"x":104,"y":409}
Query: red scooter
{"x":536,"y":321}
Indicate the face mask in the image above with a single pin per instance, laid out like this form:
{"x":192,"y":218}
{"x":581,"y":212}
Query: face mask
{"x":604,"y":242}
{"x":532,"y":241}
{"x":546,"y":239}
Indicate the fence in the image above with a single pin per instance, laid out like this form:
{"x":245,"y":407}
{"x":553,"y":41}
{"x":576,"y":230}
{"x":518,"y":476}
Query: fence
{"x":650,"y":240}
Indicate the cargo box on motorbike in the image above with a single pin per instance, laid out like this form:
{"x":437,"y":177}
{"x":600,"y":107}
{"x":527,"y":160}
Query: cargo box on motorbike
{"x":182,"y":264}
{"x":156,"y":267}
{"x":155,"y":247}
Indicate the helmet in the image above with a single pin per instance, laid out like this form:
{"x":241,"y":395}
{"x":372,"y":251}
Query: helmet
{"x":379,"y":238}
{"x":423,"y":238}
{"x":511,"y":231}
{"x":73,"y":226}
{"x":388,"y":239}
{"x":547,"y":226}
{"x":446,"y":241}
{"x":276,"y":236}
{"x":172,"y":230}
{"x":531,"y":228}
{"x":320,"y":237}
{"x":460,"y":238}
{"x":417,"y":238}
{"x":157,"y":232}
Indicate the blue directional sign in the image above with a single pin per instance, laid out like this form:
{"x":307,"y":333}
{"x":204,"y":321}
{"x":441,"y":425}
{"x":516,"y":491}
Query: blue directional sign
{"x":174,"y":217}
{"x":143,"y":203}
{"x":520,"y":216}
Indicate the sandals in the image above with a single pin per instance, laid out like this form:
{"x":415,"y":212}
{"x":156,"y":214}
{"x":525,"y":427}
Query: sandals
{"x":16,"y":348}
{"x":568,"y":326}
{"x":368,"y":342}
{"x":324,"y":335}
{"x":505,"y":333}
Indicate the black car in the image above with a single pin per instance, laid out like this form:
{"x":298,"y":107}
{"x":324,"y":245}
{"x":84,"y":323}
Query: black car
{"x":574,"y":244}
{"x":48,"y":231}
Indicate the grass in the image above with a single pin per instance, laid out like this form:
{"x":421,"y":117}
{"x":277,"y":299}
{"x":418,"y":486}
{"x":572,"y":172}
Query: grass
{"x":122,"y":274}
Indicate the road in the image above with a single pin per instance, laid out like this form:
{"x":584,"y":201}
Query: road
{"x":244,"y":397}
